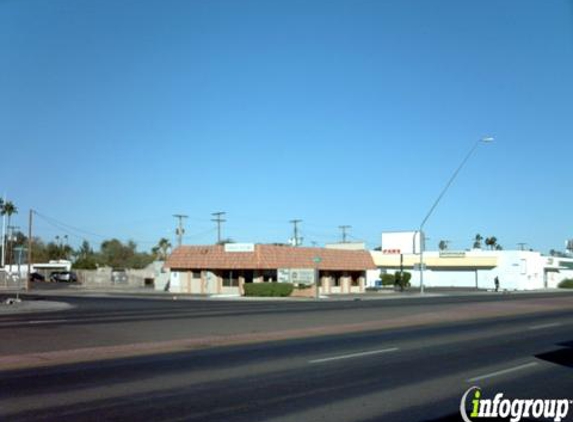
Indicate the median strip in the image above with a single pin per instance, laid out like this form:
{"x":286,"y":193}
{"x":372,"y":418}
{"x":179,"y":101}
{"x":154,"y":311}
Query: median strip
{"x":353,"y":355}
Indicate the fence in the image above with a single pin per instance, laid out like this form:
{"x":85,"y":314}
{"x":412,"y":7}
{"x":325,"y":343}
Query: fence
{"x":105,"y":277}
{"x":11,"y":281}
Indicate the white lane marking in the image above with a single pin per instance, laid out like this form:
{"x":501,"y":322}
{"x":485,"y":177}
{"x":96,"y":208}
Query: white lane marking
{"x":48,"y":321}
{"x":354,"y":355}
{"x":504,"y":371}
{"x":35,"y":322}
{"x":542,"y":326}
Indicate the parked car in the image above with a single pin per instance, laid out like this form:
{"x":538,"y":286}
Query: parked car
{"x":37,"y":277}
{"x":63,"y":276}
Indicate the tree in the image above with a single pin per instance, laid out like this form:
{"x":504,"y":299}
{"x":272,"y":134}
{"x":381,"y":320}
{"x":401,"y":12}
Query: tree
{"x":115,"y":254}
{"x":443,"y":245}
{"x":477,"y":241}
{"x":161,"y":250}
{"x":8,"y":209}
{"x":491,"y":242}
{"x":86,"y":259}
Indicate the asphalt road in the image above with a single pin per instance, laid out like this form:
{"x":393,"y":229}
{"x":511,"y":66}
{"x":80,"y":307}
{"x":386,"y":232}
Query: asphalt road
{"x":415,"y":368}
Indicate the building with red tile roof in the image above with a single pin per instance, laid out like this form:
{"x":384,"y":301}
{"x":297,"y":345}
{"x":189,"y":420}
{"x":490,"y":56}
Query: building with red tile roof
{"x":226,"y":268}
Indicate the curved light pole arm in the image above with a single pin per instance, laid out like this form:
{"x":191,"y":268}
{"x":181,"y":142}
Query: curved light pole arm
{"x":437,"y":201}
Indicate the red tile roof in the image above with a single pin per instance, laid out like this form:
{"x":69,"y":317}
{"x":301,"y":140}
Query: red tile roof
{"x":268,"y":257}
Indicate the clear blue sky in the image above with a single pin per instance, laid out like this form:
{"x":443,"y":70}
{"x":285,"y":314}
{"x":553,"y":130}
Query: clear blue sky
{"x":116,"y":114}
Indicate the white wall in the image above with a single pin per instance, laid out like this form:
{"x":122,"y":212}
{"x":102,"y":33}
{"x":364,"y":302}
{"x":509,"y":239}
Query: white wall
{"x":516,"y":270}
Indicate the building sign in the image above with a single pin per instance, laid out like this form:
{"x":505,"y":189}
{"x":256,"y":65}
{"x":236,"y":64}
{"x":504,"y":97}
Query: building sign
{"x":391,"y":251}
{"x":239,"y":247}
{"x":452,"y":254}
{"x":403,"y":242}
{"x":295,"y":275}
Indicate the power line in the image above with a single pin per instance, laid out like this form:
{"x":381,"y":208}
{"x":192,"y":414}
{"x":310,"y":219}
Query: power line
{"x":66,"y":227}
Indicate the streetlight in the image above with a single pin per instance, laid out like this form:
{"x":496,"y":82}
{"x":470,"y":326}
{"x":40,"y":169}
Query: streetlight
{"x":484,"y":140}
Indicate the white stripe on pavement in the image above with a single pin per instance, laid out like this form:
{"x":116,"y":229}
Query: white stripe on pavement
{"x":503,"y":371}
{"x":542,"y":326}
{"x":354,"y":355}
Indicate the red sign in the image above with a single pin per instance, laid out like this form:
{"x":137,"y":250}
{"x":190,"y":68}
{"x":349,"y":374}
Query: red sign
{"x":391,"y":251}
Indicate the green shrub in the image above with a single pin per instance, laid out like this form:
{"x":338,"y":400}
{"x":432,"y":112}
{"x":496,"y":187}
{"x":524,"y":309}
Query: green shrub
{"x":402,"y":279}
{"x":387,"y":279}
{"x":268,"y":289}
{"x":566,"y":284}
{"x":406,"y":277}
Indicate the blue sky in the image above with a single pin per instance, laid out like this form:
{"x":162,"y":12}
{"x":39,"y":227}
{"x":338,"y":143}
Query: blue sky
{"x":116,"y":114}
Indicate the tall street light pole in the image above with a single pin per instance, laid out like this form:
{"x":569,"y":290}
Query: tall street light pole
{"x":436,"y":202}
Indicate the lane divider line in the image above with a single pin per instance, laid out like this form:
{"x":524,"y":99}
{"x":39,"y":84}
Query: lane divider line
{"x":353,"y":355}
{"x":503,"y":371}
{"x":542,"y":326}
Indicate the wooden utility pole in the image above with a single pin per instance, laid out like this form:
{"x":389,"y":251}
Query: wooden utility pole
{"x":218,"y":218}
{"x":297,"y":240}
{"x":344,"y":228}
{"x":180,"y":230}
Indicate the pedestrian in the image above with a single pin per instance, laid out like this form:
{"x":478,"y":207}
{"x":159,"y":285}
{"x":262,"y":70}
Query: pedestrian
{"x":496,"y":281}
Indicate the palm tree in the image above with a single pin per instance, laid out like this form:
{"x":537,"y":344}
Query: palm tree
{"x":162,"y":249}
{"x":491,"y":242}
{"x":477,"y":241}
{"x":443,"y":245}
{"x":8,"y":208}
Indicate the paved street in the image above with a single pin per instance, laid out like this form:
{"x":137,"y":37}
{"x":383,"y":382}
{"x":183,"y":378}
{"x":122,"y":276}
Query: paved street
{"x":402,"y":359}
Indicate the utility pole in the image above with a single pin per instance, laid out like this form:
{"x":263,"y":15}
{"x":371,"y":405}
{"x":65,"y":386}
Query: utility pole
{"x":344,"y":228}
{"x":521,"y":245}
{"x":10,"y":256}
{"x":180,"y":230}
{"x":295,"y":231}
{"x":218,"y":219}
{"x":29,"y":250}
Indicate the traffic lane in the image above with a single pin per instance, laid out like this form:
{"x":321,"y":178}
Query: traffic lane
{"x":112,"y":303}
{"x":261,"y":389}
{"x":112,"y":310}
{"x":52,"y":334}
{"x":317,"y":349}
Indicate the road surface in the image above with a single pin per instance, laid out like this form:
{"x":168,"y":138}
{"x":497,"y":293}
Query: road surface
{"x":408,"y":360}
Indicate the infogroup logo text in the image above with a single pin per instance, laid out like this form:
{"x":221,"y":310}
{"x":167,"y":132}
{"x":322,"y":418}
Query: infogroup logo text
{"x":515,"y":409}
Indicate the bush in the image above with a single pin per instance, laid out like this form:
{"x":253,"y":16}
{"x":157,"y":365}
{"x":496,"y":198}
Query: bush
{"x":387,"y":279}
{"x":268,"y":289}
{"x":406,"y":277}
{"x":402,"y":279}
{"x":566,"y":284}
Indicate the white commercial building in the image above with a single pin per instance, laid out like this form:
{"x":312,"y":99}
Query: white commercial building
{"x":475,"y":268}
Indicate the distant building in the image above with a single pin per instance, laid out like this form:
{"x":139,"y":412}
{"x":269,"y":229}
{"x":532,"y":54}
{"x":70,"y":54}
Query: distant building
{"x":476,"y":268}
{"x":347,"y":246}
